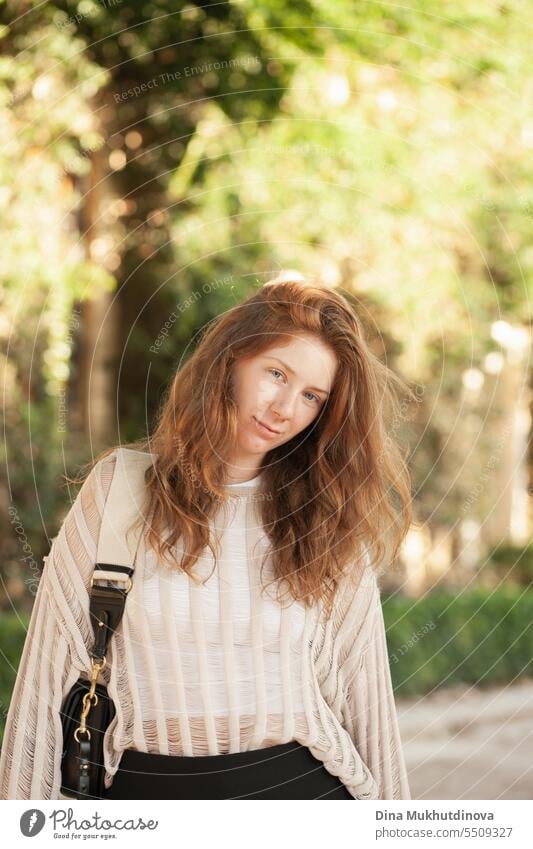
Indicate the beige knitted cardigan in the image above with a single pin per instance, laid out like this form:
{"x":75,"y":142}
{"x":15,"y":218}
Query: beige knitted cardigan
{"x":326,"y":684}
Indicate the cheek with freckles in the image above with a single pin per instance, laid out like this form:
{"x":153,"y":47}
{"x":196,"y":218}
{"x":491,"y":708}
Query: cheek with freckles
{"x":264,"y":392}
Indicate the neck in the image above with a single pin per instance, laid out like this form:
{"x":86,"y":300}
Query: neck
{"x":240,"y":473}
{"x":242,"y":479}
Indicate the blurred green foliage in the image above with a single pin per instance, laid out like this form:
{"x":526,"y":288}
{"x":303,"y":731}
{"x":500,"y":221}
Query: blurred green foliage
{"x":477,"y":636}
{"x":13,"y":629}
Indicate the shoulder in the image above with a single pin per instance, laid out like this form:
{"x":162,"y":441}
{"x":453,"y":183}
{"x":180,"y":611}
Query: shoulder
{"x":96,"y":484}
{"x":104,"y":469}
{"x":127,"y":461}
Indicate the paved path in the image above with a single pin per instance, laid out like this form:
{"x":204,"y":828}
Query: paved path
{"x":470,"y":743}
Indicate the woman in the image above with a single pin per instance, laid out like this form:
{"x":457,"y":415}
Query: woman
{"x":253,"y":661}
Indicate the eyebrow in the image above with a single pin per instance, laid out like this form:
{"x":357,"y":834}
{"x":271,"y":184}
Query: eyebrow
{"x":291,"y":370}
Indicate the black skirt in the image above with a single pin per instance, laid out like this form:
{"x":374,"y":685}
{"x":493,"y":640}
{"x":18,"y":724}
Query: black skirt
{"x":286,"y":771}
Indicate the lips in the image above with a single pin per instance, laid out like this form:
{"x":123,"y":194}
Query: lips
{"x":265,"y":428}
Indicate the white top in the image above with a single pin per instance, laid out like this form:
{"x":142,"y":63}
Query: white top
{"x":251,"y":482}
{"x":205,"y":669}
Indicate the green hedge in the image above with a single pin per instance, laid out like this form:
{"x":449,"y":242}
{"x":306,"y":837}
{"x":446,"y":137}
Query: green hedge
{"x":476,"y":636}
{"x":12,"y":634}
{"x":479,"y":636}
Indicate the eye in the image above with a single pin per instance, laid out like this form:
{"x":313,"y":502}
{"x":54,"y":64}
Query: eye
{"x":312,"y":394}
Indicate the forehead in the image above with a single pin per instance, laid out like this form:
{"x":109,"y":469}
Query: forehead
{"x":302,"y":345}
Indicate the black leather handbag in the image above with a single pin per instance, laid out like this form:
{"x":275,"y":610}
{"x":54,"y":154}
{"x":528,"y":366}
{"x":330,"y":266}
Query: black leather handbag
{"x":101,"y":716}
{"x":88,"y":710}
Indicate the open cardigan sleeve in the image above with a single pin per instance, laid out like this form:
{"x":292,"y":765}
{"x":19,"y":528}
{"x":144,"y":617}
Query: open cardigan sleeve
{"x":368,"y":705}
{"x":56,"y":649}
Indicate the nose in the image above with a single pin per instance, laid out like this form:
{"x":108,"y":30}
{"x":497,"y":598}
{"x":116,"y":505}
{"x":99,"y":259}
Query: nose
{"x":283,"y":406}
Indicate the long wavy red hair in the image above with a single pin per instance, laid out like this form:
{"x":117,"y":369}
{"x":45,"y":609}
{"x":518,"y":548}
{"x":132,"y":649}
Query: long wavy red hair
{"x":339,"y":487}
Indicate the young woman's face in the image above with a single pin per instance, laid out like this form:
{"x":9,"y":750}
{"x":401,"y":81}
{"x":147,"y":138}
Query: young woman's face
{"x":279,"y":393}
